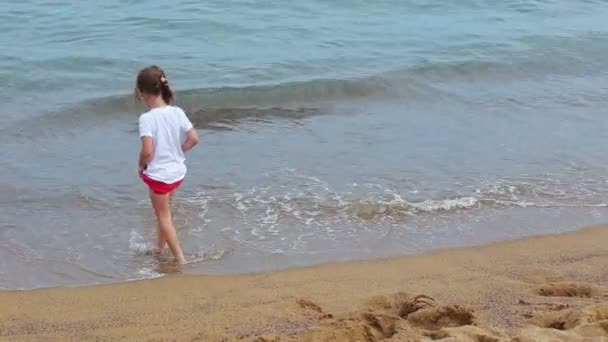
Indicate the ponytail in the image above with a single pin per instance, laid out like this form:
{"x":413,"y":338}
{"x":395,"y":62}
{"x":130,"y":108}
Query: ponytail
{"x":165,"y":90}
{"x":152,"y":80}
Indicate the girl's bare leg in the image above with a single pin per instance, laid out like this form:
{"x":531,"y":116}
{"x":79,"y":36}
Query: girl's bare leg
{"x":166,"y":230}
{"x":161,"y":241}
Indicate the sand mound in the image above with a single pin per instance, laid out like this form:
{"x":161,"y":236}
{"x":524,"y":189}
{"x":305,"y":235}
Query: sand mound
{"x":469,"y":334}
{"x":403,"y":317}
{"x":424,"y":312}
{"x":309,"y":305}
{"x":400,"y":317}
{"x":571,"y":318}
{"x":536,"y":334}
{"x":441,"y":317}
{"x":312,"y":309}
{"x":569,"y":289}
{"x":594,"y":329}
{"x":596,"y":332}
{"x":364,"y":327}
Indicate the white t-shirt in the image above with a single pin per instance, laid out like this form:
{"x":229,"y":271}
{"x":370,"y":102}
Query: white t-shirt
{"x":167,"y":126}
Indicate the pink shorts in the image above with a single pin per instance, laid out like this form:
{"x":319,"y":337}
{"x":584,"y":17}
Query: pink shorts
{"x":159,"y":187}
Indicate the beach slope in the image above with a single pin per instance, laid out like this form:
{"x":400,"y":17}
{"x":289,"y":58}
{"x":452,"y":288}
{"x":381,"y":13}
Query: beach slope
{"x":548,"y":288}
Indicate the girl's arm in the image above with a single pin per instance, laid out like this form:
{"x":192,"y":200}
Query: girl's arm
{"x":191,"y":140}
{"x":147,"y":151}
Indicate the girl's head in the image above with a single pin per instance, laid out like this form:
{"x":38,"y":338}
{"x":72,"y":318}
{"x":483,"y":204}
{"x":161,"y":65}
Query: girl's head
{"x":153,"y":86}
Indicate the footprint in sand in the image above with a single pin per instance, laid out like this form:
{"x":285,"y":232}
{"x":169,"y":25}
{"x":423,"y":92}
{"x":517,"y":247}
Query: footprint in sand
{"x":311,"y":307}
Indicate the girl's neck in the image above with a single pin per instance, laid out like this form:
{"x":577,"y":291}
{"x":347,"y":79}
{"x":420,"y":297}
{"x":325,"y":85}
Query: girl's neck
{"x":156,"y":103}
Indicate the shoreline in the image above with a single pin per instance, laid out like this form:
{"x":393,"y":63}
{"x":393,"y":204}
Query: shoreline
{"x":547,"y":287}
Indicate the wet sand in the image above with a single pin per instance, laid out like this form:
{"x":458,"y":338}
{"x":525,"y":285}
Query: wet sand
{"x":548,"y":288}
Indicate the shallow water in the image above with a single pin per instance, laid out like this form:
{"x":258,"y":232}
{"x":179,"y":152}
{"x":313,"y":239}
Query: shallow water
{"x":331,"y":130}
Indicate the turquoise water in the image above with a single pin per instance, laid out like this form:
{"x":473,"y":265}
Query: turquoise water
{"x":332,"y":130}
{"x":56,"y":54}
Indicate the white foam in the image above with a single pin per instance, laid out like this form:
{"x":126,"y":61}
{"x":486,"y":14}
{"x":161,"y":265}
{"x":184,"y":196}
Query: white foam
{"x":211,"y":255}
{"x":137,"y":246}
{"x":447,"y":204}
{"x":148,"y":273}
{"x":287,"y":204}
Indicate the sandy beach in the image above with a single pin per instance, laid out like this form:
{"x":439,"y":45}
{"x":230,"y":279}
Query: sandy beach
{"x":547,"y":288}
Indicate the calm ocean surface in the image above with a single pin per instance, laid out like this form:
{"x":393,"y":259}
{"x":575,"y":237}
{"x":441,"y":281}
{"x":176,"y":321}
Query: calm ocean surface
{"x":331,"y":130}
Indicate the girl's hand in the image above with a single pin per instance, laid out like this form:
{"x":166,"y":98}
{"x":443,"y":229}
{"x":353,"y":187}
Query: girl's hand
{"x":191,"y":140}
{"x":147,"y":151}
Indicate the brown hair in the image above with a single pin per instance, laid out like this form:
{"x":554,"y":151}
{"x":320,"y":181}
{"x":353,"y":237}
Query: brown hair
{"x":152,"y":80}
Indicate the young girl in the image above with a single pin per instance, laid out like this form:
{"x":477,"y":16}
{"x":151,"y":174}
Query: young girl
{"x":166,"y":135}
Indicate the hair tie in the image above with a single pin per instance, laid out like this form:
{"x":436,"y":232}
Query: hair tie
{"x":164,"y":80}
